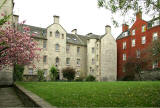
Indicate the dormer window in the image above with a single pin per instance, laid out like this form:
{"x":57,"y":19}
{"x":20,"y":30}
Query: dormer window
{"x":57,"y":34}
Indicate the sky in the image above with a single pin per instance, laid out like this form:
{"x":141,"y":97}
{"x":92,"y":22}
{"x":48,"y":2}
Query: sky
{"x":83,"y":15}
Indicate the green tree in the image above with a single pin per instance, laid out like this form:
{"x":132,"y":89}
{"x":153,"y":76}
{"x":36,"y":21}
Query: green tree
{"x":69,"y":73}
{"x":40,"y":73}
{"x":155,"y":49}
{"x":53,"y":73}
{"x":18,"y":72}
{"x":125,"y":7}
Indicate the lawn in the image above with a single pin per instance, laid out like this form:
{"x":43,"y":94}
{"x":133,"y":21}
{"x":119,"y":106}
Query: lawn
{"x":97,"y":94}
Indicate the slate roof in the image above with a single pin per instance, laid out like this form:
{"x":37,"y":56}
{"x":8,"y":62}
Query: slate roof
{"x":122,"y":35}
{"x":93,"y":36}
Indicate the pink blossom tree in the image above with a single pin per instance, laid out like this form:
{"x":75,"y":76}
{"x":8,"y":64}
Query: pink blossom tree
{"x":17,"y":47}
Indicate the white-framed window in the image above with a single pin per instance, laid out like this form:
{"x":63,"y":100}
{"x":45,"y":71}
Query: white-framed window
{"x":143,"y":40}
{"x":78,"y":62}
{"x":50,"y":33}
{"x":57,"y":47}
{"x":133,"y":42}
{"x":57,"y":60}
{"x":155,"y":36}
{"x":93,"y":50}
{"x":155,"y":64}
{"x":44,"y":59}
{"x":30,"y":71}
{"x":93,"y":61}
{"x":45,"y":72}
{"x":67,"y":61}
{"x":57,"y":34}
{"x":143,"y":28}
{"x":138,"y":53}
{"x":155,"y":23}
{"x":124,"y":57}
{"x":78,"y":50}
{"x":123,"y":69}
{"x":67,"y":48}
{"x":44,"y":43}
{"x":133,"y":32}
{"x":124,"y":45}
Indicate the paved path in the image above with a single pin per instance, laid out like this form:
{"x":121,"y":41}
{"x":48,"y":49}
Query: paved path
{"x":8,"y":98}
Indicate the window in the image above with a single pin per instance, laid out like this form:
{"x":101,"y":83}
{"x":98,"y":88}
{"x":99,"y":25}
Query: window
{"x":57,"y":34}
{"x":155,"y":36}
{"x":124,"y":69}
{"x":133,"y":42}
{"x":143,"y":40}
{"x":92,"y":50}
{"x":57,"y":60}
{"x":50,"y":33}
{"x":67,"y":48}
{"x":45,"y":72}
{"x":93,"y":61}
{"x":78,"y":62}
{"x":78,"y":50}
{"x":44,"y":43}
{"x":62,"y":36}
{"x":124,"y":45}
{"x":133,"y":32}
{"x":138,"y":53}
{"x":155,"y":64}
{"x":124,"y":57}
{"x":90,"y":69}
{"x":67,"y":61}
{"x":143,"y":28}
{"x":45,"y":59}
{"x":31,"y":71}
{"x":57,"y":47}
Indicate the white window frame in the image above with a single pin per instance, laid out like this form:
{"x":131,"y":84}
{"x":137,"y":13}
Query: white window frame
{"x":133,"y":32}
{"x":57,"y":34}
{"x":67,"y":61}
{"x":155,"y":64}
{"x":124,"y":56}
{"x":45,"y":59}
{"x":124,"y":45}
{"x":143,"y":40}
{"x":133,"y":42}
{"x":78,"y":50}
{"x":78,"y":62}
{"x":138,"y":53}
{"x":44,"y":44}
{"x":30,"y":71}
{"x":45,"y":72}
{"x":155,"y":36}
{"x":143,"y":28}
{"x":57,"y":47}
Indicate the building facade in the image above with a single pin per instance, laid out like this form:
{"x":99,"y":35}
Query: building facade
{"x":90,"y":55}
{"x":133,"y":40}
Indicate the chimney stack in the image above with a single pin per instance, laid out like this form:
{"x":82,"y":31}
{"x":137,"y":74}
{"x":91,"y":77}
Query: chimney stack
{"x":74,"y":31}
{"x":124,"y":27}
{"x":108,"y":29}
{"x":139,"y":15}
{"x":56,"y":19}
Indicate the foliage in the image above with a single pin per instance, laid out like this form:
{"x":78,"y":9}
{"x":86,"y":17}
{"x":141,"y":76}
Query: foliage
{"x":134,"y":65}
{"x":69,"y":73}
{"x":17,"y":47}
{"x":40,"y":73}
{"x":97,"y":94}
{"x":53,"y":73}
{"x":125,"y":7}
{"x":79,"y":79}
{"x":90,"y":78}
{"x":18,"y":72}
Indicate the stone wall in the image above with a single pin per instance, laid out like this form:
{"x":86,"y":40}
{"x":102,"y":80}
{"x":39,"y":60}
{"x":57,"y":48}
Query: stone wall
{"x":150,"y":75}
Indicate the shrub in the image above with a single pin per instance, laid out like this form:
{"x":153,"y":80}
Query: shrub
{"x":90,"y":78}
{"x":53,"y":73}
{"x":18,"y":72}
{"x":79,"y":79}
{"x":40,"y":75}
{"x":69,"y":73}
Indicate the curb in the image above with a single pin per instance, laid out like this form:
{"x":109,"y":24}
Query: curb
{"x":30,"y":99}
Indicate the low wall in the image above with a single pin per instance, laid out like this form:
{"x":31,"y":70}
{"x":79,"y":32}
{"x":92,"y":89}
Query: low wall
{"x":29,"y":99}
{"x":150,"y":75}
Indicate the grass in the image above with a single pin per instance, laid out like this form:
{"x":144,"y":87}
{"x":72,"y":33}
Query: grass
{"x":97,"y":94}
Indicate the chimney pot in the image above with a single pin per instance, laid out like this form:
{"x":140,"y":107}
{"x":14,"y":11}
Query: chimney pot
{"x":108,"y":29}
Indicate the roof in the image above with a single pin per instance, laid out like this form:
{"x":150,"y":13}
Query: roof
{"x":123,"y":34}
{"x":76,"y":39}
{"x":93,"y":36}
{"x":39,"y":32}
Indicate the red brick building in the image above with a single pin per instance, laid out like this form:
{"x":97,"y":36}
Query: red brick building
{"x":132,"y":40}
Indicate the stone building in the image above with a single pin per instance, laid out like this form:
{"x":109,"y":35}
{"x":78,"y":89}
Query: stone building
{"x":90,"y":55}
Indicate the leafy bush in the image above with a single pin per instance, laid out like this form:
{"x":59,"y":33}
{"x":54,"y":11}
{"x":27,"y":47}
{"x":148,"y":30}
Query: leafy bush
{"x":40,"y":75}
{"x":79,"y":79}
{"x":54,"y":74}
{"x":69,"y":73}
{"x":18,"y":72}
{"x":90,"y":78}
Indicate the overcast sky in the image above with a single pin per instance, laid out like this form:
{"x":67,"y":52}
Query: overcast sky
{"x":83,"y":15}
